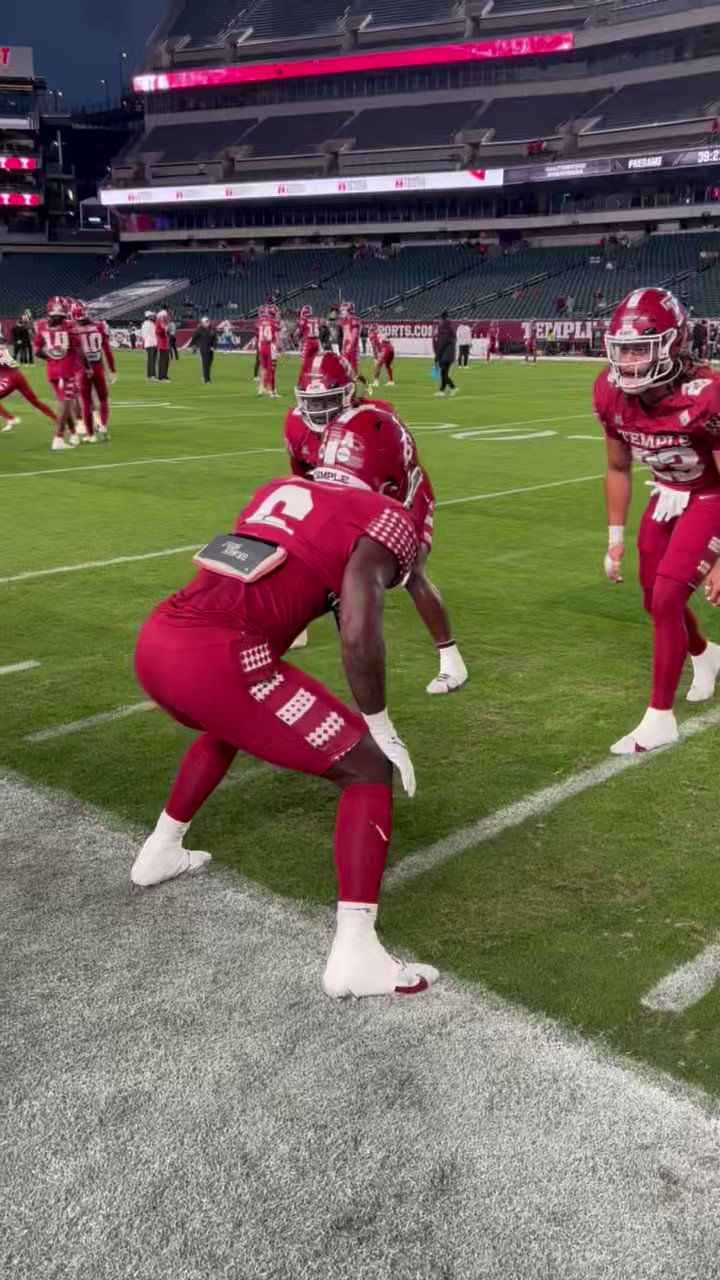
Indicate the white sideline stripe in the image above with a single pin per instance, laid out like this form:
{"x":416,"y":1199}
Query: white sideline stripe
{"x":173,"y":551}
{"x":531,"y":806}
{"x":687,"y":984}
{"x":18,"y":666}
{"x":139,"y":462}
{"x":98,"y":564}
{"x":602,"y":438}
{"x":517,"y":422}
{"x":104,"y":717}
{"x":507,"y":493}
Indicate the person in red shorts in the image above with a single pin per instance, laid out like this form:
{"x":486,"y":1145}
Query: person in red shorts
{"x":162,"y":340}
{"x":327,"y":394}
{"x":58,"y":344}
{"x":384,"y":357}
{"x":350,"y":325}
{"x":95,"y":343}
{"x":268,"y":338}
{"x":531,"y":343}
{"x":659,"y":407}
{"x":13,"y":381}
{"x":211,"y":656}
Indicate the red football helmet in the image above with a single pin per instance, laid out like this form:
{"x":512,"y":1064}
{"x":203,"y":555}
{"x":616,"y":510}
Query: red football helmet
{"x":58,"y":306}
{"x":645,"y":339}
{"x":305,"y":312}
{"x":78,"y":310}
{"x":325,"y":388}
{"x":368,"y":448}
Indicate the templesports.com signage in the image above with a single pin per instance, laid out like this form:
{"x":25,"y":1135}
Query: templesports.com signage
{"x":378,"y":60}
{"x":371,"y":184}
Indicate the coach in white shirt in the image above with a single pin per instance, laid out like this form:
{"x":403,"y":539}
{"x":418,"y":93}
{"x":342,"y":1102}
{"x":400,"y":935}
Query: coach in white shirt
{"x":464,"y":341}
{"x":150,"y":343}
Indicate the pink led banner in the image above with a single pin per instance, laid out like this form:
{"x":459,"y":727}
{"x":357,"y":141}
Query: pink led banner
{"x":378,"y":60}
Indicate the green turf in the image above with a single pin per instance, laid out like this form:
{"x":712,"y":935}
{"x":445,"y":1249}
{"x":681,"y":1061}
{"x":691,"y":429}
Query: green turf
{"x":576,"y":914}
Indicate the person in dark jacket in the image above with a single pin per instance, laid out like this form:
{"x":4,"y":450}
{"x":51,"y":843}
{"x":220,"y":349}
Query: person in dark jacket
{"x":204,"y":340}
{"x":445,"y":351}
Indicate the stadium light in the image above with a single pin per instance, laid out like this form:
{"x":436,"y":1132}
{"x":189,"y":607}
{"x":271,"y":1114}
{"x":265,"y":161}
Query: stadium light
{"x":379,"y":60}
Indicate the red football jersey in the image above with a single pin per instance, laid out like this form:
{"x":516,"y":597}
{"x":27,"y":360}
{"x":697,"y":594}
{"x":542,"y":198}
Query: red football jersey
{"x":677,"y":437}
{"x":267,"y":334}
{"x":94,"y":340}
{"x":385,"y":351}
{"x":61,"y":346}
{"x":351,"y":334}
{"x":309,"y":327}
{"x":319,"y":525}
{"x":301,"y":442}
{"x":422,"y":509}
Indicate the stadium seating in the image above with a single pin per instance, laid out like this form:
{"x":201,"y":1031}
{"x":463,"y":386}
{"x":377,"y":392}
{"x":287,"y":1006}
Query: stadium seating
{"x":513,"y":119}
{"x":271,"y":19}
{"x":203,"y":22}
{"x":431,"y":125}
{"x":294,"y":135}
{"x":683,"y":98}
{"x":399,"y":13}
{"x":29,"y":279}
{"x":187,"y":142}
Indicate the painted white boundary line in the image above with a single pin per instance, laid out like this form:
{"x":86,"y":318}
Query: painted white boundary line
{"x":530,"y":806}
{"x":18,"y":666}
{"x":687,"y":984}
{"x":172,"y":551}
{"x":138,"y":462}
{"x":99,"y":564}
{"x":104,"y":717}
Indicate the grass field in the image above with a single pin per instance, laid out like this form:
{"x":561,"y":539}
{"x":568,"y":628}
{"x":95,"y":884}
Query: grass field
{"x":577,"y":912}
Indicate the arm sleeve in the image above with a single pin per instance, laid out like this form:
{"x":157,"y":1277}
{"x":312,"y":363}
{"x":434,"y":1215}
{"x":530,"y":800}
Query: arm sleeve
{"x":395,"y":531}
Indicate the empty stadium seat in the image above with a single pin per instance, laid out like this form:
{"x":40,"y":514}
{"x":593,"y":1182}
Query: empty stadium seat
{"x":537,"y":116}
{"x":272,"y":19}
{"x":187,"y":142}
{"x":431,"y":125}
{"x":293,"y":135}
{"x":205,"y":21}
{"x":401,"y":13}
{"x":685,"y":98}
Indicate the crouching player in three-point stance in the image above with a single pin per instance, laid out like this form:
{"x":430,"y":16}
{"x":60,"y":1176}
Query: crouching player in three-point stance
{"x":660,"y":408}
{"x":211,"y":656}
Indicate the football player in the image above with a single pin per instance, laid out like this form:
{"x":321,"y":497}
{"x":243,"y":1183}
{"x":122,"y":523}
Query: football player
{"x":350,"y":325}
{"x":659,"y":407}
{"x":58,"y":344}
{"x":531,"y":343}
{"x":384,"y":357}
{"x":267,"y":336}
{"x":95,"y":343}
{"x":211,"y":656}
{"x":325,"y":394}
{"x":13,"y":381}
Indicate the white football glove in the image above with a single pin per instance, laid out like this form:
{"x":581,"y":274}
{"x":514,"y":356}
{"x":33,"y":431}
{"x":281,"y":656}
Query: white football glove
{"x":383,"y":731}
{"x":113,"y":379}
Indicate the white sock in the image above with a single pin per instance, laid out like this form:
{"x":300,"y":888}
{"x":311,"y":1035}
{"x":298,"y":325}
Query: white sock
{"x":169,"y":829}
{"x":356,"y":920}
{"x":449,"y":659}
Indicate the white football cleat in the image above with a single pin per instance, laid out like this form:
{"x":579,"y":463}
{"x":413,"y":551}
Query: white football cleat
{"x":300,"y":642}
{"x":73,"y":439}
{"x":10,"y":426}
{"x":656,"y":729}
{"x":391,"y":384}
{"x":81,"y":429}
{"x":446,"y":682}
{"x":706,"y":667}
{"x":102,"y":434}
{"x":88,"y":439}
{"x":59,"y":443}
{"x":440,"y":394}
{"x":160,"y":860}
{"x":362,"y":967}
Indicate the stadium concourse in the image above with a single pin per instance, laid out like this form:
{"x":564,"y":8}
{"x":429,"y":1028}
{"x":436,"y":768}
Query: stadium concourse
{"x":415,"y":296}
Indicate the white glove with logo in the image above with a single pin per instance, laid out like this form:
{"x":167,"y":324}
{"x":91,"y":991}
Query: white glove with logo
{"x":384,"y":733}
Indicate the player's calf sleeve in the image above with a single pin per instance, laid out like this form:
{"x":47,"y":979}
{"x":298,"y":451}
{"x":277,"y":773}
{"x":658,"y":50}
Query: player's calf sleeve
{"x":670,"y":643}
{"x":4,"y":414}
{"x":362,"y":838}
{"x":203,"y":767}
{"x":104,"y":412}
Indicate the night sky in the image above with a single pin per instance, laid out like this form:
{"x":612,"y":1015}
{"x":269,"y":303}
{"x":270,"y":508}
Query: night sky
{"x":77,"y":42}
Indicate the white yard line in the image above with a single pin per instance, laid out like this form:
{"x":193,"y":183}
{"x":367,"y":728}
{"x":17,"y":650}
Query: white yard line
{"x":139,"y":462}
{"x":104,"y":717}
{"x":18,"y":666}
{"x":172,"y":551}
{"x":530,"y":806}
{"x":507,"y":493}
{"x":687,"y":984}
{"x":99,"y":564}
{"x":517,"y":422}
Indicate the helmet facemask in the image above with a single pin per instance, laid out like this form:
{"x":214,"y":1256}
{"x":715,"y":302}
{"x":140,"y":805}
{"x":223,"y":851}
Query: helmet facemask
{"x":641,"y":361}
{"x":319,"y":404}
